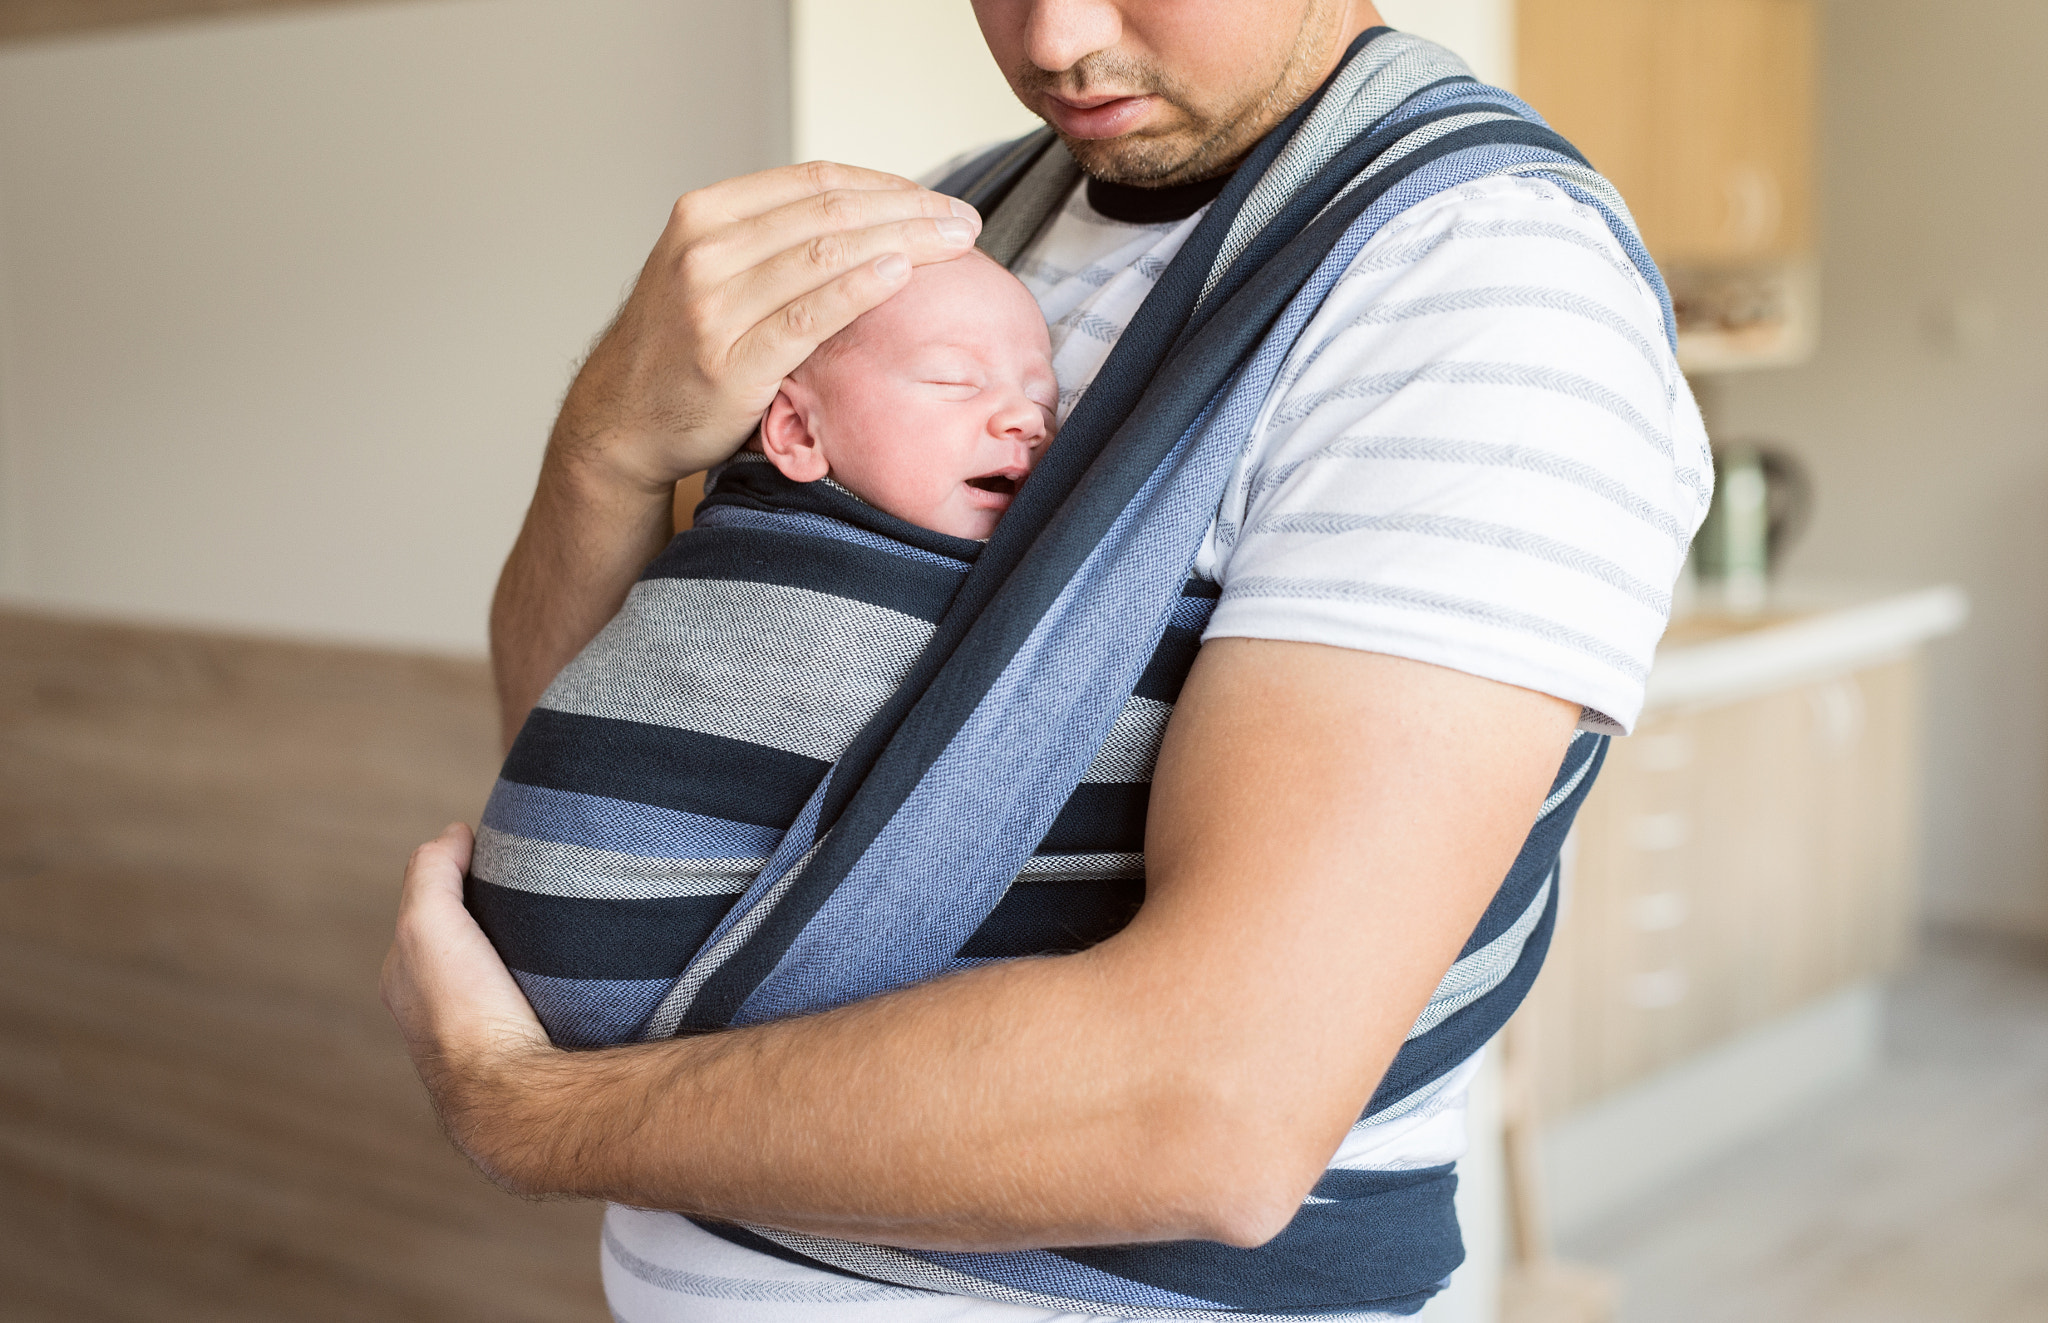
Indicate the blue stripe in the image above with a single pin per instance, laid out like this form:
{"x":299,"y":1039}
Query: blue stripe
{"x":603,"y":823}
{"x":1192,"y":613}
{"x":590,"y":1012}
{"x":817,"y":525}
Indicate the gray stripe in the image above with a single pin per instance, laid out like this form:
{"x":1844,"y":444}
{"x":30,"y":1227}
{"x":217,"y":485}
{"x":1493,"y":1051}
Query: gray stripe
{"x":1504,"y":537}
{"x":1274,"y":586}
{"x":789,"y":668}
{"x":551,"y":868}
{"x":1482,"y":971}
{"x":1520,"y":376}
{"x":1406,"y":254}
{"x":1523,"y":296}
{"x":1460,"y":372}
{"x":1082,"y":867}
{"x":1041,"y":271}
{"x":1093,"y":325}
{"x":704,"y":1286}
{"x":1132,"y":747}
{"x":1492,"y":454}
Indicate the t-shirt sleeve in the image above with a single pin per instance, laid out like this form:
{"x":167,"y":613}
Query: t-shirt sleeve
{"x":1480,"y":454}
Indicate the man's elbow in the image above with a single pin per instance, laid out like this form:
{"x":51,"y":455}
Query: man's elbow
{"x":1238,"y":1168}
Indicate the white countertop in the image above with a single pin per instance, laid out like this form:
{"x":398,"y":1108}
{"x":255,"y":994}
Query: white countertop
{"x":1803,"y":634}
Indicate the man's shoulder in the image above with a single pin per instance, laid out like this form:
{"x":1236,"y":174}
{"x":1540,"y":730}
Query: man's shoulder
{"x":1518,"y":229}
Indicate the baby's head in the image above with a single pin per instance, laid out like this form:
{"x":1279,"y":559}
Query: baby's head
{"x":933,"y":407}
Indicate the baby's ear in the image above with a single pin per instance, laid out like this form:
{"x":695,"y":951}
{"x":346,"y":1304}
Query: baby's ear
{"x":787,"y":440}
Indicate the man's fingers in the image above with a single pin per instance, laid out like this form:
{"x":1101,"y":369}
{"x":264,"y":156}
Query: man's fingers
{"x":438,"y":865}
{"x":758,"y":292}
{"x":786,"y":338}
{"x":765,"y":190}
{"x":840,"y":230}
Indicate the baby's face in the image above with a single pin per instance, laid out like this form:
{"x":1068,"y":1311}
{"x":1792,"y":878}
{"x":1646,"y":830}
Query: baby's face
{"x":933,"y":407}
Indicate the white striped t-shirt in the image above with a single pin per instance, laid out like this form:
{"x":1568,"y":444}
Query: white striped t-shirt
{"x":1480,"y":454}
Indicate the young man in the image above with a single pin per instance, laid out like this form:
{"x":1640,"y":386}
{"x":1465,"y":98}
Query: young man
{"x":1467,"y":498}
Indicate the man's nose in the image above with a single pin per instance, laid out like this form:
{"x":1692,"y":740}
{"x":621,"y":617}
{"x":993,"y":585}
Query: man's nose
{"x":1059,"y":34}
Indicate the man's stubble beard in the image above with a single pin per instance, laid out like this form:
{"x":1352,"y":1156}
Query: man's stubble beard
{"x":1200,"y":146}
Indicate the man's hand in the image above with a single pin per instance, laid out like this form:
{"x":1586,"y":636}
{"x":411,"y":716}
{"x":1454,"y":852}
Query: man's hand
{"x":1326,"y":828}
{"x":748,"y":278}
{"x":463,"y":1017}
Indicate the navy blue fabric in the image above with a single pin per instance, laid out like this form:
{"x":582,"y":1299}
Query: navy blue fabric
{"x":677,"y":769}
{"x":1395,"y":1229}
{"x":578,"y":937}
{"x":1052,"y":918}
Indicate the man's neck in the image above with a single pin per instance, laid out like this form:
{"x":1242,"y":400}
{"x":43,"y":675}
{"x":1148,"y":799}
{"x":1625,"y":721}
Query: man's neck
{"x":1338,"y":33}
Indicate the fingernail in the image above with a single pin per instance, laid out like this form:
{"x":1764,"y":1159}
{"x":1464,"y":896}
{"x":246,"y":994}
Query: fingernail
{"x":894,"y":266}
{"x":965,"y":212}
{"x":955,"y":231}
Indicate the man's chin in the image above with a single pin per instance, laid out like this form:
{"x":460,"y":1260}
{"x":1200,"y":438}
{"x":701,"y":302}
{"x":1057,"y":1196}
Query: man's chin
{"x":1159,"y":159}
{"x":1141,"y":160}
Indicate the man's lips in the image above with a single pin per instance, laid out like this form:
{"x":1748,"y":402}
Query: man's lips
{"x":1096,"y":116}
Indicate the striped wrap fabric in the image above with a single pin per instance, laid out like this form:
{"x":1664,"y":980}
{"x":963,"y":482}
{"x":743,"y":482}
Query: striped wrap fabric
{"x":644,"y":793}
{"x":685,"y":839}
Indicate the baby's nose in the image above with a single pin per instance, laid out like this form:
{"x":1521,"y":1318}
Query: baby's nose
{"x":1020,"y":419}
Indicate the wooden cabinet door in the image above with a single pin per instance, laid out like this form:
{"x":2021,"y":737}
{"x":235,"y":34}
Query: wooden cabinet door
{"x":1732,"y":864}
{"x":1699,"y":111}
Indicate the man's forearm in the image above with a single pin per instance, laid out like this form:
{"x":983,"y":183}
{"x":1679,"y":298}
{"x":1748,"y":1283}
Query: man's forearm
{"x":587,"y":535}
{"x":1038,"y":1121}
{"x":1326,"y":829}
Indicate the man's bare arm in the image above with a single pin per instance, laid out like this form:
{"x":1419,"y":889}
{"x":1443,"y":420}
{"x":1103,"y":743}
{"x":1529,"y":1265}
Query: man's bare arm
{"x":749,"y":276}
{"x":1327,"y":826}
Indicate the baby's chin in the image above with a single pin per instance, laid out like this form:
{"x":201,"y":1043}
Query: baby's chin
{"x":974,"y":525}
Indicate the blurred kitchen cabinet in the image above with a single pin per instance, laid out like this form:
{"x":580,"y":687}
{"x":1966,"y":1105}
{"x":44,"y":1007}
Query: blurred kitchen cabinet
{"x":1734,"y":863}
{"x":688,"y":492}
{"x":1702,"y":113}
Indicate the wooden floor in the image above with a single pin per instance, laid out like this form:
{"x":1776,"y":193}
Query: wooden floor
{"x":1918,"y":1196}
{"x":204,"y":1112}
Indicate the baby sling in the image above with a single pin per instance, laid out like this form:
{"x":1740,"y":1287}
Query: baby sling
{"x":647,"y":787}
{"x":908,"y":843}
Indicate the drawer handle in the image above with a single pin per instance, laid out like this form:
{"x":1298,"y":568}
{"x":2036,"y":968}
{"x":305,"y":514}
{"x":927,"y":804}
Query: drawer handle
{"x":1661,"y":911}
{"x":1657,"y":990}
{"x":1661,"y":831}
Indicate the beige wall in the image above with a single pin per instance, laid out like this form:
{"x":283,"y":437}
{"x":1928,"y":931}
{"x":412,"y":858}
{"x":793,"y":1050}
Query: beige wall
{"x":901,"y":85}
{"x":1925,"y":415}
{"x":286,"y":302}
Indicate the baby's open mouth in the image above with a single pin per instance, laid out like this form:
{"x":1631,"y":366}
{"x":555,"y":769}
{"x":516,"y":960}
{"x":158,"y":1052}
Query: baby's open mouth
{"x":1003,"y":484}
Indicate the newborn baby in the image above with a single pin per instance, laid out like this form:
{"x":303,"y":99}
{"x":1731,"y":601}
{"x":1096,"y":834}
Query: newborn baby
{"x":933,"y":407}
{"x":649,"y":786}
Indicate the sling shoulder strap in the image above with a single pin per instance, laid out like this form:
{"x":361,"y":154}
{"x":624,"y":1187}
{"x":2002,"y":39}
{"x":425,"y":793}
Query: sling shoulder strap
{"x":1016,"y":187}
